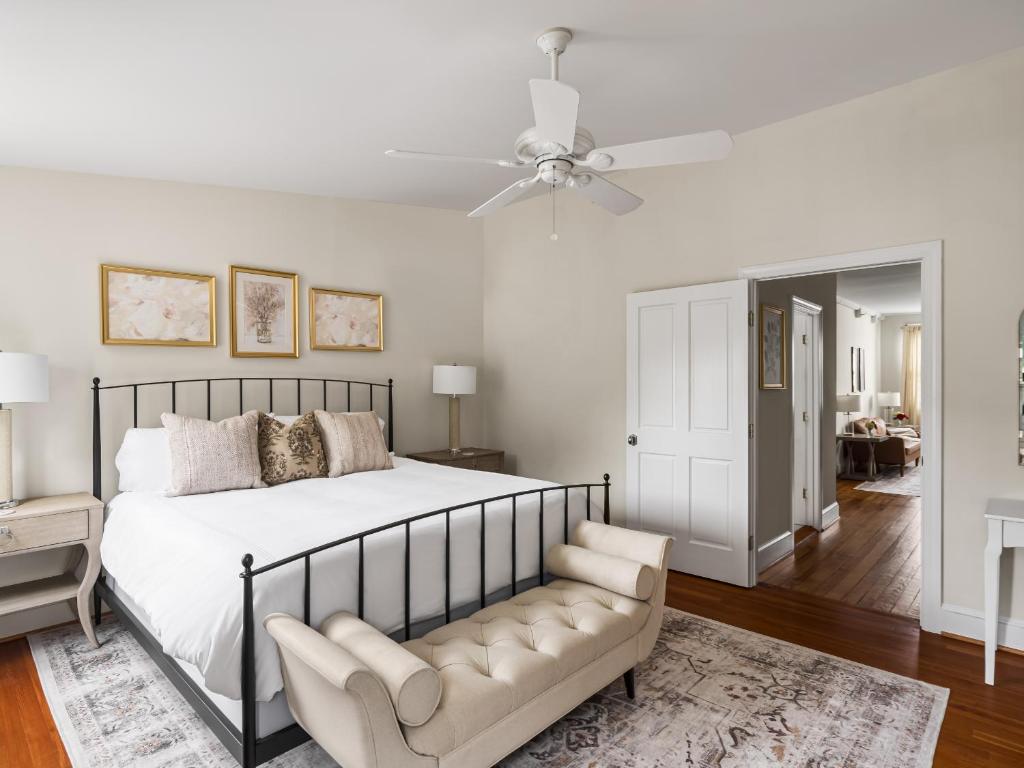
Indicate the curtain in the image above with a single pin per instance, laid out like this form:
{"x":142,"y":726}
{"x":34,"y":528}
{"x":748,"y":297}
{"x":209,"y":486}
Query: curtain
{"x":911,"y":390}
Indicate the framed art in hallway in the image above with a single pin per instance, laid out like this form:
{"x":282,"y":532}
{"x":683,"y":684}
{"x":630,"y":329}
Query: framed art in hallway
{"x":157,"y":307}
{"x":773,"y":347}
{"x":346,"y":320}
{"x":264,"y":313}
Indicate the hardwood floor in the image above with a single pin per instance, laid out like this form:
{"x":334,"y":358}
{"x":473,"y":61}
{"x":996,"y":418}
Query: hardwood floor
{"x":983,"y":725}
{"x":870,"y":558}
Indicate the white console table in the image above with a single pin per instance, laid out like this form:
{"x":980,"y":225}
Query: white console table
{"x":1005,"y":518}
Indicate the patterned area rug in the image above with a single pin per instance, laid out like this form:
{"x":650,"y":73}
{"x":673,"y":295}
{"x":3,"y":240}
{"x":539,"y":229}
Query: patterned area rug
{"x":889,"y":481}
{"x":710,"y":696}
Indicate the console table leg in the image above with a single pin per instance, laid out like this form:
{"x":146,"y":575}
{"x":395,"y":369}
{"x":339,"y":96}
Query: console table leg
{"x":993,"y":553}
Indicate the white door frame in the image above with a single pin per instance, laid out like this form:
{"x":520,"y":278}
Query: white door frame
{"x":929,"y":256}
{"x":813,"y":311}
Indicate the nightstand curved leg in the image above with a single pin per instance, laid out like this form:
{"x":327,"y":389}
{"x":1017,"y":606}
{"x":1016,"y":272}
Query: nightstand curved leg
{"x":92,"y":570}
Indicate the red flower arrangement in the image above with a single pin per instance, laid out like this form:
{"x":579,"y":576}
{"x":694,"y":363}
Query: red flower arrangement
{"x":901,"y":417}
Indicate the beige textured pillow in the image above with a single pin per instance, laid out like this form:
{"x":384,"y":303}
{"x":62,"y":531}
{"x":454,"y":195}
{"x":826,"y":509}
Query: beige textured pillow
{"x":352,"y":442}
{"x":290,"y":452}
{"x":209,"y":456}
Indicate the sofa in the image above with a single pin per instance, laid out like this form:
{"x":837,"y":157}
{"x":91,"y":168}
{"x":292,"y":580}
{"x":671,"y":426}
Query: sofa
{"x":467,"y":694}
{"x":902,"y":447}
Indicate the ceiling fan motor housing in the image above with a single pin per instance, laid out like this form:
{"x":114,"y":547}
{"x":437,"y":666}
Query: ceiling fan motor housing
{"x":531,"y":147}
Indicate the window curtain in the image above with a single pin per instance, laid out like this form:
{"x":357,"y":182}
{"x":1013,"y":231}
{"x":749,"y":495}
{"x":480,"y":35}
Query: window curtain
{"x":911,"y":390}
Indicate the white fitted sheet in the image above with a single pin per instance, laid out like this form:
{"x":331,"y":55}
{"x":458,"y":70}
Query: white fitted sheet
{"x":178,"y":558}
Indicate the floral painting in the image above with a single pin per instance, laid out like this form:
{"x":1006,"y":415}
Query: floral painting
{"x":264,"y":313}
{"x":148,"y":306}
{"x":773,"y":347}
{"x":345,"y":320}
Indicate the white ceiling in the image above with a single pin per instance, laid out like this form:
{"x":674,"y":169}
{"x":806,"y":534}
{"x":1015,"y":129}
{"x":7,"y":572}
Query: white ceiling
{"x":894,"y":290}
{"x":305,"y":95}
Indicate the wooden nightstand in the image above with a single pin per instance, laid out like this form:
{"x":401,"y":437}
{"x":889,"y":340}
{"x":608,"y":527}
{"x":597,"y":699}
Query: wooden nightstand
{"x":49,"y":523}
{"x":483,"y":459}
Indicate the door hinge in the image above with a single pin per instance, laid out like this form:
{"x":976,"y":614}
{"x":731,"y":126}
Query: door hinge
{"x":750,"y":543}
{"x":750,"y":318}
{"x":750,"y":431}
{"x":805,"y":416}
{"x":805,"y":493}
{"x":805,"y":338}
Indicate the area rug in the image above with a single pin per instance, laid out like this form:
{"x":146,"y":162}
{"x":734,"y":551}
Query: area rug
{"x":710,"y":696}
{"x":890,"y":482}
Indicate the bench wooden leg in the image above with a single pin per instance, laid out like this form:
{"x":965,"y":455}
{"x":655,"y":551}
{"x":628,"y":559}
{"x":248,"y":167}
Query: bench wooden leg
{"x":630,"y":680}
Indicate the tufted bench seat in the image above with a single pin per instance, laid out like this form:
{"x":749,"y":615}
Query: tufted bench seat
{"x":472,"y":691}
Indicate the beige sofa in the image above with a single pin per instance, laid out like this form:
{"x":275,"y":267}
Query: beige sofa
{"x":469,"y":693}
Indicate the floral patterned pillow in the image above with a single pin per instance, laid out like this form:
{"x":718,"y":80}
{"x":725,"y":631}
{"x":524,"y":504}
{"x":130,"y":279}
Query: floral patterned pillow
{"x":290,"y":452}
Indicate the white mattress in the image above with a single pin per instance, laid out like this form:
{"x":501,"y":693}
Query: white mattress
{"x":179,"y":558}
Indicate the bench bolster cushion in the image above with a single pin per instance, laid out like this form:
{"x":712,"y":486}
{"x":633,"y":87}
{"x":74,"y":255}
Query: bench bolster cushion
{"x":616,"y":574}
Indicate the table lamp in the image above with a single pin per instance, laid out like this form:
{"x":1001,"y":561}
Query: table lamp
{"x":849,"y":404}
{"x":454,"y":380}
{"x":889,"y":400}
{"x":24,"y":378}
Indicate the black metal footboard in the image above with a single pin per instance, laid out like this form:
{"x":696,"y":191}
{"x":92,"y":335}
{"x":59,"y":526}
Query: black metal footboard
{"x":255,"y":750}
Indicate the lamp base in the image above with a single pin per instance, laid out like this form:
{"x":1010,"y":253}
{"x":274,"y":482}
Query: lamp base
{"x":7,"y":507}
{"x":454,"y":426}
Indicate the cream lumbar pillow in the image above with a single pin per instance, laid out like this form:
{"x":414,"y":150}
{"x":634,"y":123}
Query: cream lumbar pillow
{"x":353,"y":442}
{"x":209,"y":456}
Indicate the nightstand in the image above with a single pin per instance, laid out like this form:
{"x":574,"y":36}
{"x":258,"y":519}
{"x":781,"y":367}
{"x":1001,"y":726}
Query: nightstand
{"x":483,"y":459}
{"x":51,"y":523}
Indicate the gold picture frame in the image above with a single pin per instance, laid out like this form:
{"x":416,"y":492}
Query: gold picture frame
{"x":773,"y":347}
{"x":323,"y":337}
{"x":145,"y":313}
{"x":262,"y":315}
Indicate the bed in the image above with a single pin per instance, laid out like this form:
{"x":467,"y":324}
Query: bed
{"x":406,"y":549}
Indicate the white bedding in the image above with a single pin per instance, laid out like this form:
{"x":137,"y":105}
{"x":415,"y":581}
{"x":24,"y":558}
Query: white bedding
{"x":179,"y":557}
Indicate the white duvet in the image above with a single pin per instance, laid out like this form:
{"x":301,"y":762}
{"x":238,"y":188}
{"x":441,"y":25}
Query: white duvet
{"x":179,"y":558}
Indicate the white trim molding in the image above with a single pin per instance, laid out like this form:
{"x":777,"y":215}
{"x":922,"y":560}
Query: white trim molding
{"x":968,"y":622}
{"x":929,"y":256}
{"x":830,"y":515}
{"x":774,"y":550}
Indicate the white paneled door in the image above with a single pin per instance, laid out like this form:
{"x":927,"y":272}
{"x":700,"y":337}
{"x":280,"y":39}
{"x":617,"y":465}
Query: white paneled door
{"x":687,"y":417}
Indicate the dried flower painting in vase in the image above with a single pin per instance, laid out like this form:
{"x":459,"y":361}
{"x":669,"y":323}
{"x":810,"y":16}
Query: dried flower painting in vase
{"x":345,"y":320}
{"x":264,"y":313}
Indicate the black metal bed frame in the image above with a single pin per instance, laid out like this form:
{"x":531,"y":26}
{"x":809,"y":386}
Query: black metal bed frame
{"x":245,"y":745}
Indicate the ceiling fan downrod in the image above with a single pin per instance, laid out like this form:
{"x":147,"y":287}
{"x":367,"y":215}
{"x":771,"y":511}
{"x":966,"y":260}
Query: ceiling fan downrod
{"x":553,"y":42}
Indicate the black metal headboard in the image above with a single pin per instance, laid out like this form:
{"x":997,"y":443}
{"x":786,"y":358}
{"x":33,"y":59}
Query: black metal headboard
{"x":97,"y":460}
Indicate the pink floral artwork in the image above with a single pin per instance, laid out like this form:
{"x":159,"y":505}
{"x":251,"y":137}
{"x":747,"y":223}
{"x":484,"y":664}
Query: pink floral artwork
{"x":346,"y":320}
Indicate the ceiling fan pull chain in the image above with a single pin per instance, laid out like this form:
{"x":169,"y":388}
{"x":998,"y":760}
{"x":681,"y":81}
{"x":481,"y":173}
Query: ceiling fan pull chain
{"x":554,"y":234}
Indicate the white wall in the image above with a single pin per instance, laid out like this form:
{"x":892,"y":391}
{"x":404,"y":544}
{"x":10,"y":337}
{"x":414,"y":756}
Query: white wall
{"x":891,"y":351}
{"x":939,"y":158}
{"x":865,"y":333}
{"x":56,"y":228}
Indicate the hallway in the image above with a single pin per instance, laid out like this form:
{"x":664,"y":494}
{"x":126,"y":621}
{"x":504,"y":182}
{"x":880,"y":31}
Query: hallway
{"x":870,"y":558}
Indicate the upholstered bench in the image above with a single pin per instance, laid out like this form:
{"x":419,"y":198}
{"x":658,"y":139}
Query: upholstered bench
{"x":469,"y":693}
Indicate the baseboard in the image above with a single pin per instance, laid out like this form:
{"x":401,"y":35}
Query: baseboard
{"x":830,"y":515}
{"x":968,"y":622}
{"x":774,"y":550}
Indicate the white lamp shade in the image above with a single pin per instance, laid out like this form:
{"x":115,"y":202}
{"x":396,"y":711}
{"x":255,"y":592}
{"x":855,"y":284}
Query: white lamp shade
{"x":454,"y":380}
{"x":849,"y":403}
{"x":890,"y":399}
{"x":24,"y":378}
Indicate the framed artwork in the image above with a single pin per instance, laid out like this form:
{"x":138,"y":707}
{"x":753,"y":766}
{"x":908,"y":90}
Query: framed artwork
{"x":773,"y":347}
{"x":857,"y":372}
{"x":156,"y":307}
{"x":264,"y":313}
{"x":346,"y":320}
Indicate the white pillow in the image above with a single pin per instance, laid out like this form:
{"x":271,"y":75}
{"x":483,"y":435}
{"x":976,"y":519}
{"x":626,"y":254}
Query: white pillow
{"x":144,"y":461}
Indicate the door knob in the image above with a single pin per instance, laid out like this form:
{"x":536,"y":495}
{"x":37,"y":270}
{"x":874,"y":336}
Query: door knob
{"x":631,"y":439}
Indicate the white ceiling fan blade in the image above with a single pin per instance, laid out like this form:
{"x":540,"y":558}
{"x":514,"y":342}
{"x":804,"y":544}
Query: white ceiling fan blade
{"x":555,"y":108}
{"x":406,"y":155}
{"x":508,"y":195}
{"x":694,"y":148}
{"x":610,"y":196}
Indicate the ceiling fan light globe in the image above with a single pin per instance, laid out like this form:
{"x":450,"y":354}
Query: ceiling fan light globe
{"x":599,"y":161}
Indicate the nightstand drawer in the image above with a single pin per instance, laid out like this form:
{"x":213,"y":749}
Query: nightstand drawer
{"x":44,"y":531}
{"x":492,"y":463}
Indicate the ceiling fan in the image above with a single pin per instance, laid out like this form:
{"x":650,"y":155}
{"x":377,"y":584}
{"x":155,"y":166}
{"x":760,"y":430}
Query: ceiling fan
{"x":565,"y":155}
